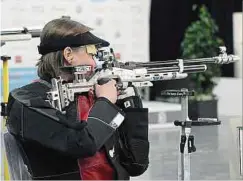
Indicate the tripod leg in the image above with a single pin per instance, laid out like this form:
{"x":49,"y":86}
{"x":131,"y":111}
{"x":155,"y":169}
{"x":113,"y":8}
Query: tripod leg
{"x":181,"y":155}
{"x":186,"y":130}
{"x":184,"y":165}
{"x":187,"y":168}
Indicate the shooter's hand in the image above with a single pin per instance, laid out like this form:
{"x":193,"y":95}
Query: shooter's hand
{"x":130,"y":99}
{"x":107,"y":90}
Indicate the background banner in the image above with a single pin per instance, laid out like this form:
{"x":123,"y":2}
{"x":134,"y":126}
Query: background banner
{"x":124,"y":23}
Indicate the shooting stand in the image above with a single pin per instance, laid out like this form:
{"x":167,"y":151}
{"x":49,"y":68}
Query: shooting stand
{"x":187,"y":140}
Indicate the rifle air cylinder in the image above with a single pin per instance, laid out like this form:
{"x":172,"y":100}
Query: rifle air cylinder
{"x":187,"y":69}
{"x":175,"y":62}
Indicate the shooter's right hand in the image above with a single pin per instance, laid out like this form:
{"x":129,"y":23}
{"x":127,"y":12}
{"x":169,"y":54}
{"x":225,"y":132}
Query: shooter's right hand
{"x":107,"y":90}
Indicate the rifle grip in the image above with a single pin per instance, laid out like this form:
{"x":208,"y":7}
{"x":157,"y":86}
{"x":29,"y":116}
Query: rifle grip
{"x":103,"y":81}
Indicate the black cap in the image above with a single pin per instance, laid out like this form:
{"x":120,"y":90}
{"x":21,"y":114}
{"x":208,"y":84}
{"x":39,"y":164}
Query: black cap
{"x":89,"y":39}
{"x":57,"y":43}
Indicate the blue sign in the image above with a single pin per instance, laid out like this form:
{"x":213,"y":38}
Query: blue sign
{"x":19,"y":77}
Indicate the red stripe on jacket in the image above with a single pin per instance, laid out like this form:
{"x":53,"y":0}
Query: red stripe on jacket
{"x":96,"y":167}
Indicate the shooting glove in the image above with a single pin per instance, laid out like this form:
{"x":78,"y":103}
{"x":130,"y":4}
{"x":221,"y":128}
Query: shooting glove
{"x":129,"y":99}
{"x":133,"y":133}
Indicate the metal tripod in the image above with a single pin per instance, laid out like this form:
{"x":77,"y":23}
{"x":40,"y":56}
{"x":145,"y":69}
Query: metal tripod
{"x":186,"y":139}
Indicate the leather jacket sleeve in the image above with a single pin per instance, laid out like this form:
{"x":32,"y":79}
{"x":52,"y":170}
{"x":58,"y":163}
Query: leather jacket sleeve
{"x":134,"y":144}
{"x":36,"y":121}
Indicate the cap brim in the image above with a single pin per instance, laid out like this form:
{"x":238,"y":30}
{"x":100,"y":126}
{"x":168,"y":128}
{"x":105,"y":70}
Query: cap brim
{"x":56,"y":43}
{"x":90,"y":38}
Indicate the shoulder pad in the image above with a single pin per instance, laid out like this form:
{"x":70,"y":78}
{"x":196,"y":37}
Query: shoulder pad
{"x":31,"y":95}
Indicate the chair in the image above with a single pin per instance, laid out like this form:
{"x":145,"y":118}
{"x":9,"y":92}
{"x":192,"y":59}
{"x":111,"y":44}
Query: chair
{"x":18,"y":170}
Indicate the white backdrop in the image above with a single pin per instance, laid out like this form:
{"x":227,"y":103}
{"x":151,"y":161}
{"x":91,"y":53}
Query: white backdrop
{"x":124,"y":23}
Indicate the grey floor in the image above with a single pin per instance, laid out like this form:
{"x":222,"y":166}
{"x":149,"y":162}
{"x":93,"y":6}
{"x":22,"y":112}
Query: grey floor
{"x":216,"y":157}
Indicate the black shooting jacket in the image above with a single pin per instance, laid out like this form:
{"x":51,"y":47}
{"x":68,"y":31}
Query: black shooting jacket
{"x":51,"y":142}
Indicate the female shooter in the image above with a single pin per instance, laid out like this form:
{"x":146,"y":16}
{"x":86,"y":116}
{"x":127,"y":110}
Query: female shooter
{"x":98,"y":138}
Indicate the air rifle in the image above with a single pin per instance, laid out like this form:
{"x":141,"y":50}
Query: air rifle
{"x":127,"y":74}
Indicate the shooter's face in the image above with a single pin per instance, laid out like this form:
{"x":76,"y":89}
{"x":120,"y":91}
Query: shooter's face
{"x":78,"y":56}
{"x":81,"y":57}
